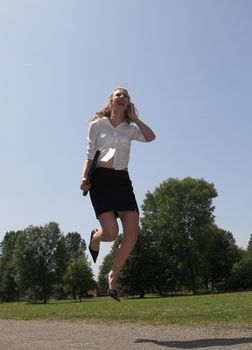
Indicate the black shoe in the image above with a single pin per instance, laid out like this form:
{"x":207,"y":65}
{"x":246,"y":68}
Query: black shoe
{"x":94,"y":253}
{"x":111,"y":292}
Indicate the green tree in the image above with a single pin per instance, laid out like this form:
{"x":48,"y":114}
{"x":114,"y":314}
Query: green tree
{"x":72,"y":246}
{"x":178,"y":214}
{"x":219,"y":257}
{"x":1,"y":280}
{"x":75,"y":245}
{"x":78,"y":278}
{"x":249,"y":248}
{"x":36,"y":259}
{"x":241,"y":276}
{"x":9,"y":288}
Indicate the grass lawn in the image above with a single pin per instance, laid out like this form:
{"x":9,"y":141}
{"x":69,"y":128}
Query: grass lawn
{"x":230,"y":308}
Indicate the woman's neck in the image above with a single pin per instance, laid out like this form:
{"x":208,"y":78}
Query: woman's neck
{"x":117,"y":116}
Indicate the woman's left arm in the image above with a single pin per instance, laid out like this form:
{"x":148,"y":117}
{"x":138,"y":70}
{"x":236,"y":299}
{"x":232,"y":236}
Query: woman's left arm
{"x":145,"y":129}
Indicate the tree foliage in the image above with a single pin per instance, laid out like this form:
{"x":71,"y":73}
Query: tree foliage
{"x":33,"y":262}
{"x":241,"y":276}
{"x":179,"y":213}
{"x":75,"y":245}
{"x":180,"y":248}
{"x":78,"y":278}
{"x":36,"y":259}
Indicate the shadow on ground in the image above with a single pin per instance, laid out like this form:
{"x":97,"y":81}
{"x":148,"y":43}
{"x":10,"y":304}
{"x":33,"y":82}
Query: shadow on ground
{"x":194,"y":344}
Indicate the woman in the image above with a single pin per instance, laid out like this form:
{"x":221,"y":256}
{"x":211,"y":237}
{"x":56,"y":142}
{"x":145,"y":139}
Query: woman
{"x":111,"y":192}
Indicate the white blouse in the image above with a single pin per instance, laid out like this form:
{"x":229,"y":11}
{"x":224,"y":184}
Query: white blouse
{"x":112,"y":141}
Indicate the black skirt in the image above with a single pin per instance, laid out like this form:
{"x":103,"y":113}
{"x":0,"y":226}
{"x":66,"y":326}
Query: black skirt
{"x":111,"y":190}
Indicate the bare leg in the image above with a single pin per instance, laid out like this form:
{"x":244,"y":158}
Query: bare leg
{"x":130,"y":222}
{"x":108,"y":231}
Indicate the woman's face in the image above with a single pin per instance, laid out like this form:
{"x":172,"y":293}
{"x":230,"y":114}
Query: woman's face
{"x":120,"y":98}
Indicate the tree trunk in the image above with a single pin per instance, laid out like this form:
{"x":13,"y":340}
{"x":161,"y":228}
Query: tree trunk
{"x":141,"y":293}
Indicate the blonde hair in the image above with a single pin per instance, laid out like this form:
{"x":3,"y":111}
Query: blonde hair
{"x":106,"y":111}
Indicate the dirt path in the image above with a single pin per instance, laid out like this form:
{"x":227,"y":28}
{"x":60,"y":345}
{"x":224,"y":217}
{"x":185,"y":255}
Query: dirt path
{"x":64,"y":335}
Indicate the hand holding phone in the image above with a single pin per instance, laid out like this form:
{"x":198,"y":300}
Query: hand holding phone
{"x":132,"y":112}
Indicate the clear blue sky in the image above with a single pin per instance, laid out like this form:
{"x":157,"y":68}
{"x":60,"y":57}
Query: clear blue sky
{"x":187,"y":66}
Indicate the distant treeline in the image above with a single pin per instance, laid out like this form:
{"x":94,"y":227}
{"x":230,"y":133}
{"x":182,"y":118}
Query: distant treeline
{"x":180,"y":249}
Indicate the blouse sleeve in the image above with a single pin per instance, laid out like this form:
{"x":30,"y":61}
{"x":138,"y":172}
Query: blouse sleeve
{"x":91,"y":140}
{"x":137,"y":134}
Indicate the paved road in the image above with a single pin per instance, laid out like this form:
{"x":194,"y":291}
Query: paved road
{"x":64,"y":335}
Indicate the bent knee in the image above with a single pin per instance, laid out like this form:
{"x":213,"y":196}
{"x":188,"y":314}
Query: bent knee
{"x":111,"y":235}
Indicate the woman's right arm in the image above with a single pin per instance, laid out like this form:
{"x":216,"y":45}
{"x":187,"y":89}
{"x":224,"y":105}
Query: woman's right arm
{"x":91,"y":148}
{"x":83,"y":185}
